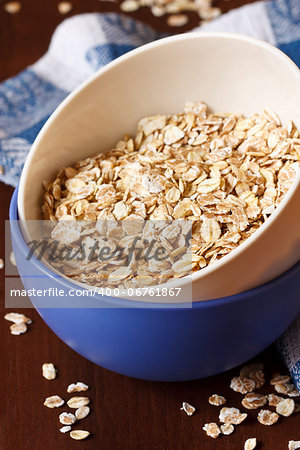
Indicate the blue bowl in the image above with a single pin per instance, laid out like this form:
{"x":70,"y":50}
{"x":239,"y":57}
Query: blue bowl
{"x":165,"y":342}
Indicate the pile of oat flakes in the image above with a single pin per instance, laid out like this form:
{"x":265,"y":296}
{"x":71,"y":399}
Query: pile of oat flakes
{"x":79,"y":403}
{"x":222,"y":172}
{"x":174,"y":9}
{"x":251,"y":378}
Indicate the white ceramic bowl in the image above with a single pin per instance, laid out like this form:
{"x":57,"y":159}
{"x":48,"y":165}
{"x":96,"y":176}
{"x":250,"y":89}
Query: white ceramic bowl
{"x":230,"y":73}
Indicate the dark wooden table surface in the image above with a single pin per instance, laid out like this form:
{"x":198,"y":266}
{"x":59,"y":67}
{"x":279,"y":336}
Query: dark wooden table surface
{"x":126,"y":413}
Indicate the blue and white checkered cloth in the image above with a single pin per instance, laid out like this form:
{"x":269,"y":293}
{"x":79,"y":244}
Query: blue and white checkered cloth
{"x":83,"y":44}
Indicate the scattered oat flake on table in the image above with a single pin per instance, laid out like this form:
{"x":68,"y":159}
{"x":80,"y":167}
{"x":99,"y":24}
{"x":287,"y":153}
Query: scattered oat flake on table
{"x":79,"y":435}
{"x":54,"y":401}
{"x":232,"y":415}
{"x":67,"y":418}
{"x":284,"y":388}
{"x":65,"y":429}
{"x":286,"y":407}
{"x":294,"y":445}
{"x":217,"y":400}
{"x":17,"y":318}
{"x":212,"y":430}
{"x":274,"y":399}
{"x":49,"y":371}
{"x":242,"y":384}
{"x":77,"y":402}
{"x":1,"y":263}
{"x":177,"y":20}
{"x":280,"y":379}
{"x":64,"y":7}
{"x":293,"y":392}
{"x":227,"y":428}
{"x":246,"y":370}
{"x":17,"y":329}
{"x":158,"y":8}
{"x":254,"y":400}
{"x":129,"y":6}
{"x":12,"y":7}
{"x":266,"y":417}
{"x":258,"y":377}
{"x":82,"y":412}
{"x":188,"y":409}
{"x":12,"y":259}
{"x":250,"y":444}
{"x":77,"y":387}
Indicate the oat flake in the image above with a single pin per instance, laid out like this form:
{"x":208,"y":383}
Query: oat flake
{"x":65,"y":429}
{"x":212,"y":430}
{"x":188,"y":409}
{"x":217,"y":400}
{"x":250,"y":444}
{"x":54,"y":401}
{"x":49,"y":371}
{"x":67,"y":418}
{"x":286,"y":407}
{"x":77,"y":387}
{"x":266,"y":417}
{"x":82,"y":412}
{"x":227,"y":428}
{"x":79,"y":435}
{"x":77,"y":402}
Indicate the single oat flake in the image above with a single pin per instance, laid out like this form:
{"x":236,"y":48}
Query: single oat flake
{"x":12,"y":7}
{"x":64,"y":7}
{"x":285,"y":388}
{"x":254,"y":401}
{"x":293,"y":392}
{"x":17,"y":318}
{"x":280,"y":379}
{"x":1,"y":263}
{"x":286,"y":407}
{"x":266,"y":417}
{"x":17,"y":329}
{"x":67,"y":418}
{"x":177,"y":20}
{"x":250,"y":444}
{"x":274,"y":399}
{"x":294,"y":445}
{"x":77,"y":387}
{"x":212,"y":430}
{"x":188,"y":409}
{"x":242,"y":384}
{"x":79,"y":435}
{"x":250,"y":368}
{"x":65,"y":429}
{"x":77,"y":402}
{"x":258,"y":377}
{"x":232,"y":416}
{"x":227,"y":428}
{"x":217,"y":400}
{"x":54,"y":401}
{"x":82,"y":412}
{"x":49,"y":371}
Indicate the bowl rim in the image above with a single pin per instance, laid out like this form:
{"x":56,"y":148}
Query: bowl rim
{"x":128,"y":303}
{"x":179,"y":282}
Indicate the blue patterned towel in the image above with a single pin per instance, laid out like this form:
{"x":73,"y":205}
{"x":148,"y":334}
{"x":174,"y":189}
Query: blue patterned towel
{"x":83,"y":44}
